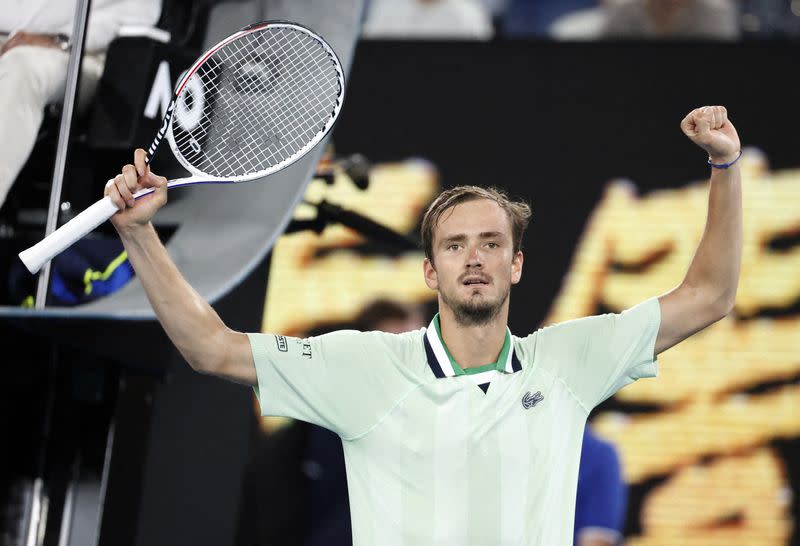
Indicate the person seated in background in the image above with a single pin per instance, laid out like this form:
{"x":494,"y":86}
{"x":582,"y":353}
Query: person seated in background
{"x":534,"y":19}
{"x":34,"y":53}
{"x":673,"y":19}
{"x":428,"y":19}
{"x":573,"y":20}
{"x":602,"y":494}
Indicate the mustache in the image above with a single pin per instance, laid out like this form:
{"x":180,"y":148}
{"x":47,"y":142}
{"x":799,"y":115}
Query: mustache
{"x":474,"y":276}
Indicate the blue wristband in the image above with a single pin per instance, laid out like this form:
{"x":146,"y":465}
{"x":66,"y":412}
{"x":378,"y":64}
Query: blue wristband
{"x":724,"y":165}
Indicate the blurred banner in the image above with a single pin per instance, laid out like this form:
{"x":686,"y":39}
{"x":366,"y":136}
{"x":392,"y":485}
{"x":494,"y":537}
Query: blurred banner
{"x":590,"y":135}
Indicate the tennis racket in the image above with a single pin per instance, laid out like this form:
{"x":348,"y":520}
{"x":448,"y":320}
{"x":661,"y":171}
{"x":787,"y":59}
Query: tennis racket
{"x":253,"y":104}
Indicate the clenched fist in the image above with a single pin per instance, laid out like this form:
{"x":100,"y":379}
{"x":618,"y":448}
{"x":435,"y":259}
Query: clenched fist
{"x":710,"y":128}
{"x":122,"y":188}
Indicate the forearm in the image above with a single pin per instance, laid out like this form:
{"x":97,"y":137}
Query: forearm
{"x":714,"y":270}
{"x":189,"y":321}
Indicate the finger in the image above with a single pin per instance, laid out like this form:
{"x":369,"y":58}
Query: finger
{"x":124,"y":191}
{"x":153,"y":181}
{"x":703,"y":120}
{"x":714,"y":117}
{"x":689,"y":123}
{"x":131,"y":180}
{"x":140,"y":161}
{"x":161,"y":189}
{"x":722,"y":116}
{"x":112,"y":192}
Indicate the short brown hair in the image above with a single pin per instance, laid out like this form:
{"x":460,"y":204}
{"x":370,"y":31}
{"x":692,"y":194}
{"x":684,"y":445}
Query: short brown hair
{"x":519,"y":212}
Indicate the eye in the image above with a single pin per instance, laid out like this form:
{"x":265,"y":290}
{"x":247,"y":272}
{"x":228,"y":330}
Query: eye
{"x":454,"y":246}
{"x":492,"y":244}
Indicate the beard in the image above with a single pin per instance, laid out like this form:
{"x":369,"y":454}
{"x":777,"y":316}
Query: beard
{"x":475,"y":311}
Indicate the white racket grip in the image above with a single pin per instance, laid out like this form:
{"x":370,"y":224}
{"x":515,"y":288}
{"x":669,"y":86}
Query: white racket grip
{"x":65,"y":236}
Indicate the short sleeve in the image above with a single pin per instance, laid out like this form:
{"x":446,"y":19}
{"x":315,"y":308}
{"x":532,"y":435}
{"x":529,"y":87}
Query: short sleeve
{"x":344,"y":381}
{"x":596,"y":356}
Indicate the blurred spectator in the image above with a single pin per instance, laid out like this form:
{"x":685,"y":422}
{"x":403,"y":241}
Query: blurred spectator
{"x":623,"y":19}
{"x":602,"y":494}
{"x":681,"y":19}
{"x":495,"y":8}
{"x":428,"y":19}
{"x":770,"y":19}
{"x":390,"y":316}
{"x":534,"y":18}
{"x":34,"y":54}
{"x":583,"y":24}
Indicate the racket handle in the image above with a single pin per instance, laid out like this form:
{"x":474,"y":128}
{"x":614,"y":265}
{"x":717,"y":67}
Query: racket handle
{"x":68,"y":234}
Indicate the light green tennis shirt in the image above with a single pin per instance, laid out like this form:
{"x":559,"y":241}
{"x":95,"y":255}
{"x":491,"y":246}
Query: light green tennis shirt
{"x":439,"y":456}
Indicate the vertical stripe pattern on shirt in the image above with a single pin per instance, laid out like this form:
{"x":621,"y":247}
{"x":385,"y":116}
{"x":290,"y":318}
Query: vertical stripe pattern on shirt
{"x":451,"y":457}
{"x":514,"y":461}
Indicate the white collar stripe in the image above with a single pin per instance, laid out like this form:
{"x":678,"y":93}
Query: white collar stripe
{"x":507,"y":367}
{"x":439,"y":351}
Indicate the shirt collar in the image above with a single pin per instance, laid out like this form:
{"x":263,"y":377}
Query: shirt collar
{"x":442,"y":363}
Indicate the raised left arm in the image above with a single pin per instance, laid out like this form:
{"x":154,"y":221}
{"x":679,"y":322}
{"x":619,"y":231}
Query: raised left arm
{"x":708,"y":291}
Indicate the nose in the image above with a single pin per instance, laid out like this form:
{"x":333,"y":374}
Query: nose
{"x":474,"y":258}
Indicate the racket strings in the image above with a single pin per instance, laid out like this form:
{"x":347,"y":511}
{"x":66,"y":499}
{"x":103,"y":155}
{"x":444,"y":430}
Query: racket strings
{"x":302,"y":114}
{"x":265,"y":97}
{"x":311,"y":111}
{"x":307,"y":114}
{"x":246,"y":124}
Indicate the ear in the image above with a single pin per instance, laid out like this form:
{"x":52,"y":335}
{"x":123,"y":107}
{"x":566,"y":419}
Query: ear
{"x":431,"y":278}
{"x":516,"y":267}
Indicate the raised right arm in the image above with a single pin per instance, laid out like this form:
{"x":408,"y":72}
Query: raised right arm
{"x":206,"y":343}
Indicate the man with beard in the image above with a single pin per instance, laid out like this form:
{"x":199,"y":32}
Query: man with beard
{"x":460,"y":432}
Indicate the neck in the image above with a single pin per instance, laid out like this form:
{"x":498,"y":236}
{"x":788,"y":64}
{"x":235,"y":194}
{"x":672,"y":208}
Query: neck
{"x":473,"y":345}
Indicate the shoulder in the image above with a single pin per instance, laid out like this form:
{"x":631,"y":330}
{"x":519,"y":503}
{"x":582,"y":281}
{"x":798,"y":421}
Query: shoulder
{"x":404,"y":351}
{"x":405,"y":343}
{"x":561,"y":333}
{"x":641,"y":316}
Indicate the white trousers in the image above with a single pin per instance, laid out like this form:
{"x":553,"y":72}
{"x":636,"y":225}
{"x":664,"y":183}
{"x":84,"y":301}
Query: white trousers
{"x":30,"y":79}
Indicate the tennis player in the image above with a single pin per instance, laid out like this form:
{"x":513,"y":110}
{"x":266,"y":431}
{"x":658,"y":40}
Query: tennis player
{"x":458,"y":433}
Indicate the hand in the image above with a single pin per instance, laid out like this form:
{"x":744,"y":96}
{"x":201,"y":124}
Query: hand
{"x":28,"y":38}
{"x":710,"y":128}
{"x":136,"y":212}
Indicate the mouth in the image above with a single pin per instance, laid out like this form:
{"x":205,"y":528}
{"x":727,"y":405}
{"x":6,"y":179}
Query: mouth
{"x":475,"y":281}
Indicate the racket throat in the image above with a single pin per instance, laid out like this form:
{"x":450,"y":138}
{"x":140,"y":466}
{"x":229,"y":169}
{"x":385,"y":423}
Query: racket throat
{"x":162,"y":130}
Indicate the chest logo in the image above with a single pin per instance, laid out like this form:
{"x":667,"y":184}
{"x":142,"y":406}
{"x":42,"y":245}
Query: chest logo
{"x":530,"y":400}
